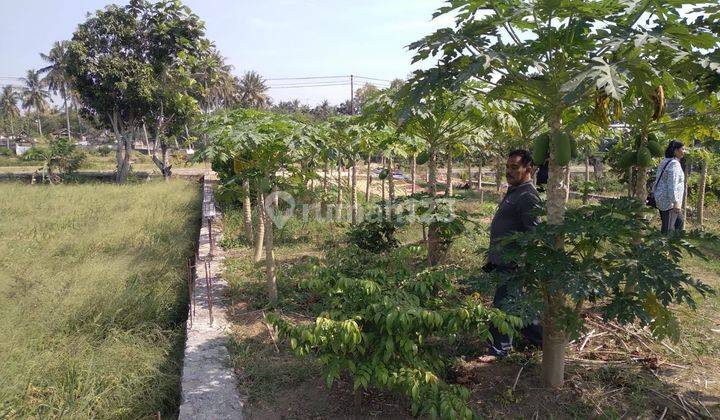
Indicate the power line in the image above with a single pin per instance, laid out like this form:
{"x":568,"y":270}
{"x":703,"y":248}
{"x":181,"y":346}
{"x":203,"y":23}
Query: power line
{"x":308,"y":86}
{"x":312,"y":84}
{"x":308,"y":78}
{"x":373,"y":78}
{"x":307,"y":83}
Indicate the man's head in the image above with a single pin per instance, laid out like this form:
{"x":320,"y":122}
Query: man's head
{"x":519,"y":167}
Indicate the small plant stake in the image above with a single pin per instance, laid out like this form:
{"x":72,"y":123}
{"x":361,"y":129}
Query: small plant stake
{"x":208,"y":284}
{"x":209,"y":212}
{"x":191,"y":291}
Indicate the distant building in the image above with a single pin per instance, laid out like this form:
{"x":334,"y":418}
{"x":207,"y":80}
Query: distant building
{"x":20,"y":149}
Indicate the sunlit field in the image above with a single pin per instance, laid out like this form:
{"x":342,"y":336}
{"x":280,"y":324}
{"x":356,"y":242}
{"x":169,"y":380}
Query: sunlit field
{"x":92,"y":295}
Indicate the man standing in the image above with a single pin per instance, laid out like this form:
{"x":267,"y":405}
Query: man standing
{"x":518,"y":212}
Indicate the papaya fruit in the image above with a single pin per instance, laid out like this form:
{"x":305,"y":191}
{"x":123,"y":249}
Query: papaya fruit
{"x":422,"y":158}
{"x":237,"y":166}
{"x":652,"y":137}
{"x":561,"y":144}
{"x":627,"y":159}
{"x":644,"y":157}
{"x":383,"y":174}
{"x":541,"y":149}
{"x":655,"y":148}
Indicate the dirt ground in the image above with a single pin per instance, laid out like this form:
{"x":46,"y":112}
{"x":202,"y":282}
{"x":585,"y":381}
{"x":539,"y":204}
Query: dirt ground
{"x":611,"y":371}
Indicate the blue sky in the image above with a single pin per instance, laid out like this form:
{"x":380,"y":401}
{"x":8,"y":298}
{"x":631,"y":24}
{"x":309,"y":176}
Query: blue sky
{"x":278,"y":38}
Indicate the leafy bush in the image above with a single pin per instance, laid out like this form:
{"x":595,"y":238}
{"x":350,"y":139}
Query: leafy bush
{"x":34,"y":154}
{"x":613,"y":258}
{"x":5,"y":151}
{"x":386,"y":324}
{"x":63,"y":157}
{"x":104,"y":150}
{"x":374,"y":235}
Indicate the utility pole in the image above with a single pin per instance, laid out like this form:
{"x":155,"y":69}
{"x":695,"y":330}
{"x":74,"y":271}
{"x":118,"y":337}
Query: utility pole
{"x":352,"y":95}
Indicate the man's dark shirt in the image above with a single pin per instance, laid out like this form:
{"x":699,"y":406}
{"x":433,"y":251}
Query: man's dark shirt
{"x":517,"y":213}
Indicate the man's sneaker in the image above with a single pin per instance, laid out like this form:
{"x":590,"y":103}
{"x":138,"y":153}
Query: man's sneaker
{"x":502,"y":351}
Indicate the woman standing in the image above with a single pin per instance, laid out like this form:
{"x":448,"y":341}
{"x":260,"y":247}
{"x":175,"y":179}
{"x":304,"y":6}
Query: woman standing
{"x":670,"y":187}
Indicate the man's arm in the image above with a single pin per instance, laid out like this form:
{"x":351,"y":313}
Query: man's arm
{"x":529,"y":209}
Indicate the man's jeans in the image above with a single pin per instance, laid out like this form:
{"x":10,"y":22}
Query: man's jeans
{"x":532,"y":332}
{"x":671,"y":220}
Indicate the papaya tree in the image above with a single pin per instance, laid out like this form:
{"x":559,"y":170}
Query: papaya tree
{"x":558,"y":55}
{"x":258,"y":146}
{"x":699,"y":126}
{"x":441,"y":118}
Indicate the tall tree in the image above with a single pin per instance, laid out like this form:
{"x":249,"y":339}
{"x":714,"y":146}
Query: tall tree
{"x":35,"y":96}
{"x":56,"y":77}
{"x":253,"y":91}
{"x":218,"y":87}
{"x":558,"y":55}
{"x":132,"y":65}
{"x":9,"y":107}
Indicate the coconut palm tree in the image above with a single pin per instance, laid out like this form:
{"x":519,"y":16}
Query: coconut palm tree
{"x":35,"y":96}
{"x":253,"y":91}
{"x":219,"y":86}
{"x":9,"y":107}
{"x":56,"y":76}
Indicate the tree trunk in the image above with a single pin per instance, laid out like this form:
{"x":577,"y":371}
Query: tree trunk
{"x":554,"y":337}
{"x":449,"y":176}
{"x":77,"y":113}
{"x":382,"y":181}
{"x":701,"y":193}
{"x":498,"y":175}
{"x":391,"y":181}
{"x":247,"y":211}
{"x":260,"y":231}
{"x":166,"y":160}
{"x":147,"y":142}
{"x":433,"y":237}
{"x":640,"y":190}
{"x":469,"y":174}
{"x":164,"y":164}
{"x":67,"y":112}
{"x":391,"y":188}
{"x":685,"y":194}
{"x":123,"y":149}
{"x":413,"y":169}
{"x":367,"y":180}
{"x":353,"y":194}
{"x":270,"y":276}
{"x":39,"y":125}
{"x":326,"y":169}
{"x":587,"y":169}
{"x":339,"y":193}
{"x":480,"y":184}
{"x":568,"y":175}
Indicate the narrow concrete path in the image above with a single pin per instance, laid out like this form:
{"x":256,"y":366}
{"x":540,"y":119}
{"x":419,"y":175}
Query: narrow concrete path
{"x":209,"y":386}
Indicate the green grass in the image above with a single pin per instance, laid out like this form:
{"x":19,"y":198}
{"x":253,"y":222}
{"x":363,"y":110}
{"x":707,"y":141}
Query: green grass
{"x":92,"y":298}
